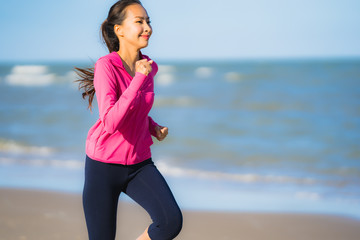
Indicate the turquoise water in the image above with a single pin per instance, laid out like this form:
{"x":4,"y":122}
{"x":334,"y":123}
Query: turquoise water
{"x":244,"y":135}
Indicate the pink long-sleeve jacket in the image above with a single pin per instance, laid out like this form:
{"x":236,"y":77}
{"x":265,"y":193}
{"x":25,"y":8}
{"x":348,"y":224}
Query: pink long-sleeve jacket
{"x":122,"y":134}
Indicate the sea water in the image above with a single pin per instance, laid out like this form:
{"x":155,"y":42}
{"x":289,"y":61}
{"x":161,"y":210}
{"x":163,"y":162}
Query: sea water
{"x":270,"y":135}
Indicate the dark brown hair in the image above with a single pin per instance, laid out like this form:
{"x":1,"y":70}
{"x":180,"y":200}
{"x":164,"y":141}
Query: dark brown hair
{"x":116,"y":16}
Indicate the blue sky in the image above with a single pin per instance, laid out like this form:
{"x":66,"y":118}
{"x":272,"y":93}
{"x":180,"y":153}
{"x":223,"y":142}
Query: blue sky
{"x":188,"y":29}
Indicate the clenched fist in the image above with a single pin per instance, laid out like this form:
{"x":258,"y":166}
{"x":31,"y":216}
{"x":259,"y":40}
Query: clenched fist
{"x":143,"y":66}
{"x":161,"y":132}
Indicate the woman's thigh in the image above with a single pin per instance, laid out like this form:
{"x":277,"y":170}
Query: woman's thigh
{"x":100,"y":200}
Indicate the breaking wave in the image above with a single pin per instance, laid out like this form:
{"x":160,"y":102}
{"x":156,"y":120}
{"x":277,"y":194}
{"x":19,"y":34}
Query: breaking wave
{"x":165,"y":75}
{"x":241,"y":178}
{"x":30,"y":75}
{"x":44,"y":162}
{"x":204,"y":72}
{"x":12,"y":152}
{"x":233,"y":77}
{"x":11,"y":146}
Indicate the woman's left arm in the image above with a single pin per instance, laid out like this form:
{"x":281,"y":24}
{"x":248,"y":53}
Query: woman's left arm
{"x":152,"y":126}
{"x":157,"y":131}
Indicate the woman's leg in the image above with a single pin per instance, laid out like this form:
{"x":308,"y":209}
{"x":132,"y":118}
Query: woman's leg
{"x":100,"y":200}
{"x":149,"y":189}
{"x":144,"y":235}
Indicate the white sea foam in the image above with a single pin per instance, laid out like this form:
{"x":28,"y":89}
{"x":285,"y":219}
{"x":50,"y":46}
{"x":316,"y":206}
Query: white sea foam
{"x":164,"y":79}
{"x":11,"y":146}
{"x":308,"y":195}
{"x":165,"y":75}
{"x":44,"y":162}
{"x":242,"y":178}
{"x":69,"y":164}
{"x":172,"y":171}
{"x":44,"y":156}
{"x":30,"y":75}
{"x":70,"y":76}
{"x":233,"y":76}
{"x":204,"y":72}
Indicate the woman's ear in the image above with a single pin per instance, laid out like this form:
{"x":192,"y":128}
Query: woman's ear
{"x":118,"y":30}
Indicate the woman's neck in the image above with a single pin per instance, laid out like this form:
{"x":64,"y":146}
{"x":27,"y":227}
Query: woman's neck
{"x":129,"y":59}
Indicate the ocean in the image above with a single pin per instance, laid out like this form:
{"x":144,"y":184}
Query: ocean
{"x":255,"y":135}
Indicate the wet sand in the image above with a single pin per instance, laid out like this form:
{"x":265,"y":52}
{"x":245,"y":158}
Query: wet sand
{"x":38,"y":215}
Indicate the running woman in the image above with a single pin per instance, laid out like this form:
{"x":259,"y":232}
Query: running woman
{"x":118,"y":156}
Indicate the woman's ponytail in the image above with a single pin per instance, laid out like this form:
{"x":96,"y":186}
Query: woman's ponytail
{"x":86,"y":83}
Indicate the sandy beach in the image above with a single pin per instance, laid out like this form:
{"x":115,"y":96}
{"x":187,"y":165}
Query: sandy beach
{"x":27,"y":215}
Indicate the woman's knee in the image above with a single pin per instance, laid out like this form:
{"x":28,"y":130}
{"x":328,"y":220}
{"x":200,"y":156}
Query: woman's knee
{"x":167,"y":228}
{"x":175,"y":223}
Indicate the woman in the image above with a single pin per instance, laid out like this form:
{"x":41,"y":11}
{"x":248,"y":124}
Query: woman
{"x":118,"y":157}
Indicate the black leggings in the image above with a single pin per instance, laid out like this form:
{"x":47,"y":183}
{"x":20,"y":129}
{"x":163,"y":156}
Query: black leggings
{"x":143,"y":183}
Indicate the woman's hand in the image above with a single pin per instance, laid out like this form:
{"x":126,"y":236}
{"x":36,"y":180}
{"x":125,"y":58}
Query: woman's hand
{"x":143,"y":66}
{"x":161,"y":132}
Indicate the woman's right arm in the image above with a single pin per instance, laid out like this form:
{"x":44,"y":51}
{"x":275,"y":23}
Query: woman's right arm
{"x":113,"y":109}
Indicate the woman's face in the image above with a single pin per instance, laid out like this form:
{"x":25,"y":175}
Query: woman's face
{"x":135,"y":29}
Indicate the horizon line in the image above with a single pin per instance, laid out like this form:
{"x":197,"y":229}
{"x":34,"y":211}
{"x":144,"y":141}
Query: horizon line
{"x":215,"y":59}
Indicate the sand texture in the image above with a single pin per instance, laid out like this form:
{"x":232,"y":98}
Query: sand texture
{"x":37,"y":215}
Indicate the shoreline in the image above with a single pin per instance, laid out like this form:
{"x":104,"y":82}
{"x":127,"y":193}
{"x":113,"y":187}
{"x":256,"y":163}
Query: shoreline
{"x":36,"y":214}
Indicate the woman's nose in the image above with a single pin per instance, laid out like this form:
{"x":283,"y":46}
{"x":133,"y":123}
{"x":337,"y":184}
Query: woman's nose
{"x":147,"y":28}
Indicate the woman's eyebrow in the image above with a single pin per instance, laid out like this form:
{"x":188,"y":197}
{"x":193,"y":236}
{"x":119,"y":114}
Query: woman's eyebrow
{"x":142,"y":17}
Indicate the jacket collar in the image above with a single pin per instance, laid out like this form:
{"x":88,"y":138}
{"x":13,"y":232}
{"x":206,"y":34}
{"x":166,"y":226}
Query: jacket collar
{"x":116,"y":59}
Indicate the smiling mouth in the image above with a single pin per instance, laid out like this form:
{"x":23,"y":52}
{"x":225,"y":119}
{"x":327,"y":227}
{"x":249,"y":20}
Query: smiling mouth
{"x":145,"y":36}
